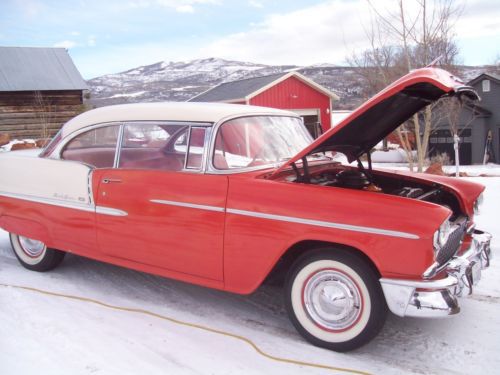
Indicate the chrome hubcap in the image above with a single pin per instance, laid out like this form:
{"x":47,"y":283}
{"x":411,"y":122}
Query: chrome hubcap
{"x":332,"y":300}
{"x":31,"y":247}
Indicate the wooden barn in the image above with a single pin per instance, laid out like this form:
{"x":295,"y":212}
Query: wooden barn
{"x":40,"y":89}
{"x":291,"y":91}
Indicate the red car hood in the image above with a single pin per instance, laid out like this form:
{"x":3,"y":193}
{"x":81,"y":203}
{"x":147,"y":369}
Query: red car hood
{"x":382,"y":114}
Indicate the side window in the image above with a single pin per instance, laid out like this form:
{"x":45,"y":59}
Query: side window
{"x":162,"y":146}
{"x":196,"y":147}
{"x":96,"y":147}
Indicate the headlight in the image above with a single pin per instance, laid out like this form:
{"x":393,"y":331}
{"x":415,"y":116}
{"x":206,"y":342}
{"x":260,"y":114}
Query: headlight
{"x":441,"y":235}
{"x":477,"y":204}
{"x":444,"y":232}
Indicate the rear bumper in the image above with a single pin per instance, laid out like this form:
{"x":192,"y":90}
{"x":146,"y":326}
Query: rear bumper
{"x":438,"y":298}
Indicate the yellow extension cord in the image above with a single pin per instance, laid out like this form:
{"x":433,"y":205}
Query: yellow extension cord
{"x":192,"y":325}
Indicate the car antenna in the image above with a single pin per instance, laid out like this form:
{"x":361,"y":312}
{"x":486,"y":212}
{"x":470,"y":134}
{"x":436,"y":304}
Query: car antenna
{"x":435,"y":62}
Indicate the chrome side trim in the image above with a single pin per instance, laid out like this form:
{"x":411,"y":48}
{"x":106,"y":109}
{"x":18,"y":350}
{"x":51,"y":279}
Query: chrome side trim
{"x":118,"y":148}
{"x":325,"y":224}
{"x":188,"y":205}
{"x":109,"y":211}
{"x":50,"y":201}
{"x":65,"y":204}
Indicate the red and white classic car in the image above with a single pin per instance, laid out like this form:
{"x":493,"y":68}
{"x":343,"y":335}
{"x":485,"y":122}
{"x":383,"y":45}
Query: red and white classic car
{"x":226,"y":196}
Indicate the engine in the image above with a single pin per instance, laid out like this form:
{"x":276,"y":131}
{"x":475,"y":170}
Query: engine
{"x":384,"y":183}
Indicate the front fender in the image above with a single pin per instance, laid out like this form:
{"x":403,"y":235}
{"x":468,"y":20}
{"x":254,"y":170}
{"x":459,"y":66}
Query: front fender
{"x":265,"y":218}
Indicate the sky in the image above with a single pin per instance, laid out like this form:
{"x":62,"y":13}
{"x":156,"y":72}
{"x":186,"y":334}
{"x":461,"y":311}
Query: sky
{"x":110,"y":36}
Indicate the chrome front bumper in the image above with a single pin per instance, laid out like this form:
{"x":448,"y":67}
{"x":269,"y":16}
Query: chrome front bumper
{"x":438,"y":298}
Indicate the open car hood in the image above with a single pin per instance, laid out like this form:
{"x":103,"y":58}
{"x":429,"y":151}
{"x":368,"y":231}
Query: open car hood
{"x":383,"y":113}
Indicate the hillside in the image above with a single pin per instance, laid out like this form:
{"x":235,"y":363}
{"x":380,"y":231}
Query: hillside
{"x":179,"y":81}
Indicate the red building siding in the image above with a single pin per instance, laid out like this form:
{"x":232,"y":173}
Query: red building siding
{"x":292,"y":93}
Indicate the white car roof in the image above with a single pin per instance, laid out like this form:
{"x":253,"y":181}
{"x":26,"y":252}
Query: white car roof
{"x":167,"y":111}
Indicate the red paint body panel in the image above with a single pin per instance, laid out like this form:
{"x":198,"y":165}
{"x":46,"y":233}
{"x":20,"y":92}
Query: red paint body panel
{"x":58,"y":227}
{"x":253,"y":245}
{"x":181,"y":239}
{"x":292,"y":93}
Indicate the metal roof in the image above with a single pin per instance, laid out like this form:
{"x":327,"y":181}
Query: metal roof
{"x":236,"y":89}
{"x":495,"y":77}
{"x":31,"y":68}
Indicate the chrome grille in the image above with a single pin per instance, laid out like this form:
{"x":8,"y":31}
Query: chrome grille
{"x":451,"y":246}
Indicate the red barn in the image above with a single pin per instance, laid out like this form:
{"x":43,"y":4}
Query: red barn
{"x":291,"y":91}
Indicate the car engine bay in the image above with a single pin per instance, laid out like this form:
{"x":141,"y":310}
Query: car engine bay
{"x":384,"y":183}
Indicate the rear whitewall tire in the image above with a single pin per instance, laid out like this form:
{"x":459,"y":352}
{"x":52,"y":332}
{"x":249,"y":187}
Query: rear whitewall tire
{"x":35,"y":255}
{"x":334,"y":299}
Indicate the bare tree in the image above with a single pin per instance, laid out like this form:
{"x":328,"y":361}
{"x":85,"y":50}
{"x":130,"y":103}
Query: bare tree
{"x":44,"y":111}
{"x":408,"y":36}
{"x":458,"y":113}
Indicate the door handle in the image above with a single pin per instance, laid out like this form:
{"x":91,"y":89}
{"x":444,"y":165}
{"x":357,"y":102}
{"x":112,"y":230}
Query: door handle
{"x":110,"y":180}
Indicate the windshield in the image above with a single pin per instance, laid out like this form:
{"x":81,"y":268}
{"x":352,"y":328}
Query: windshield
{"x":260,"y":140}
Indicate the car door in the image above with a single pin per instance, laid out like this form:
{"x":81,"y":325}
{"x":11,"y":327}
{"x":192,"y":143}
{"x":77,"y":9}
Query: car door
{"x":169,"y":214}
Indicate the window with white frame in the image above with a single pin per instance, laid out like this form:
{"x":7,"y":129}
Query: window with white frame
{"x":486,"y":85}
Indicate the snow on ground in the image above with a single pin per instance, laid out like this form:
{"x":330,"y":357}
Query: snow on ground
{"x":42,"y":334}
{"x":9,"y":145}
{"x":488,"y":170}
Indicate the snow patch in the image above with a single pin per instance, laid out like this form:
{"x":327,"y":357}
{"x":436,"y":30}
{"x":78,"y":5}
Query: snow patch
{"x":50,"y":335}
{"x":130,"y":95}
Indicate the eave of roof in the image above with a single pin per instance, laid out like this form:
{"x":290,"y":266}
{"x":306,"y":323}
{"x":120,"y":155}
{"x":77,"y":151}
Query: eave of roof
{"x":477,"y":109}
{"x":300,"y":77}
{"x":246,"y":89}
{"x":491,"y":76}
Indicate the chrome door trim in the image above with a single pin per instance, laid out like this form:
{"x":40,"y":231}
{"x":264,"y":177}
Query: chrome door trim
{"x":325,"y":224}
{"x":118,"y":149}
{"x":110,"y":211}
{"x":291,"y":219}
{"x":50,"y":201}
{"x":66,"y":204}
{"x":189,"y":205}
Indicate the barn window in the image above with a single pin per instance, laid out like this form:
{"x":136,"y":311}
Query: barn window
{"x":486,"y":85}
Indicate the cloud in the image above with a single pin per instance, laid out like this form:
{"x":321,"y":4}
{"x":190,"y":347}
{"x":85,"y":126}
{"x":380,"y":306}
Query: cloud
{"x":325,"y":32}
{"x":481,"y":18}
{"x":91,"y":41}
{"x":181,"y":6}
{"x":65,"y":44}
{"x":255,"y":4}
{"x":185,"y":9}
{"x":75,"y":33}
{"x":30,"y":8}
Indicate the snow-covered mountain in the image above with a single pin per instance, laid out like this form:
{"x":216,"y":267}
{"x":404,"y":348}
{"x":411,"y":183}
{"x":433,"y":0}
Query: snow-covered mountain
{"x":179,"y":81}
{"x":172,"y":81}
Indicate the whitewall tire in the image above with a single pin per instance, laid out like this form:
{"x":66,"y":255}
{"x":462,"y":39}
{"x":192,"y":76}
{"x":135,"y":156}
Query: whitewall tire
{"x":35,"y":255}
{"x":334,"y":299}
